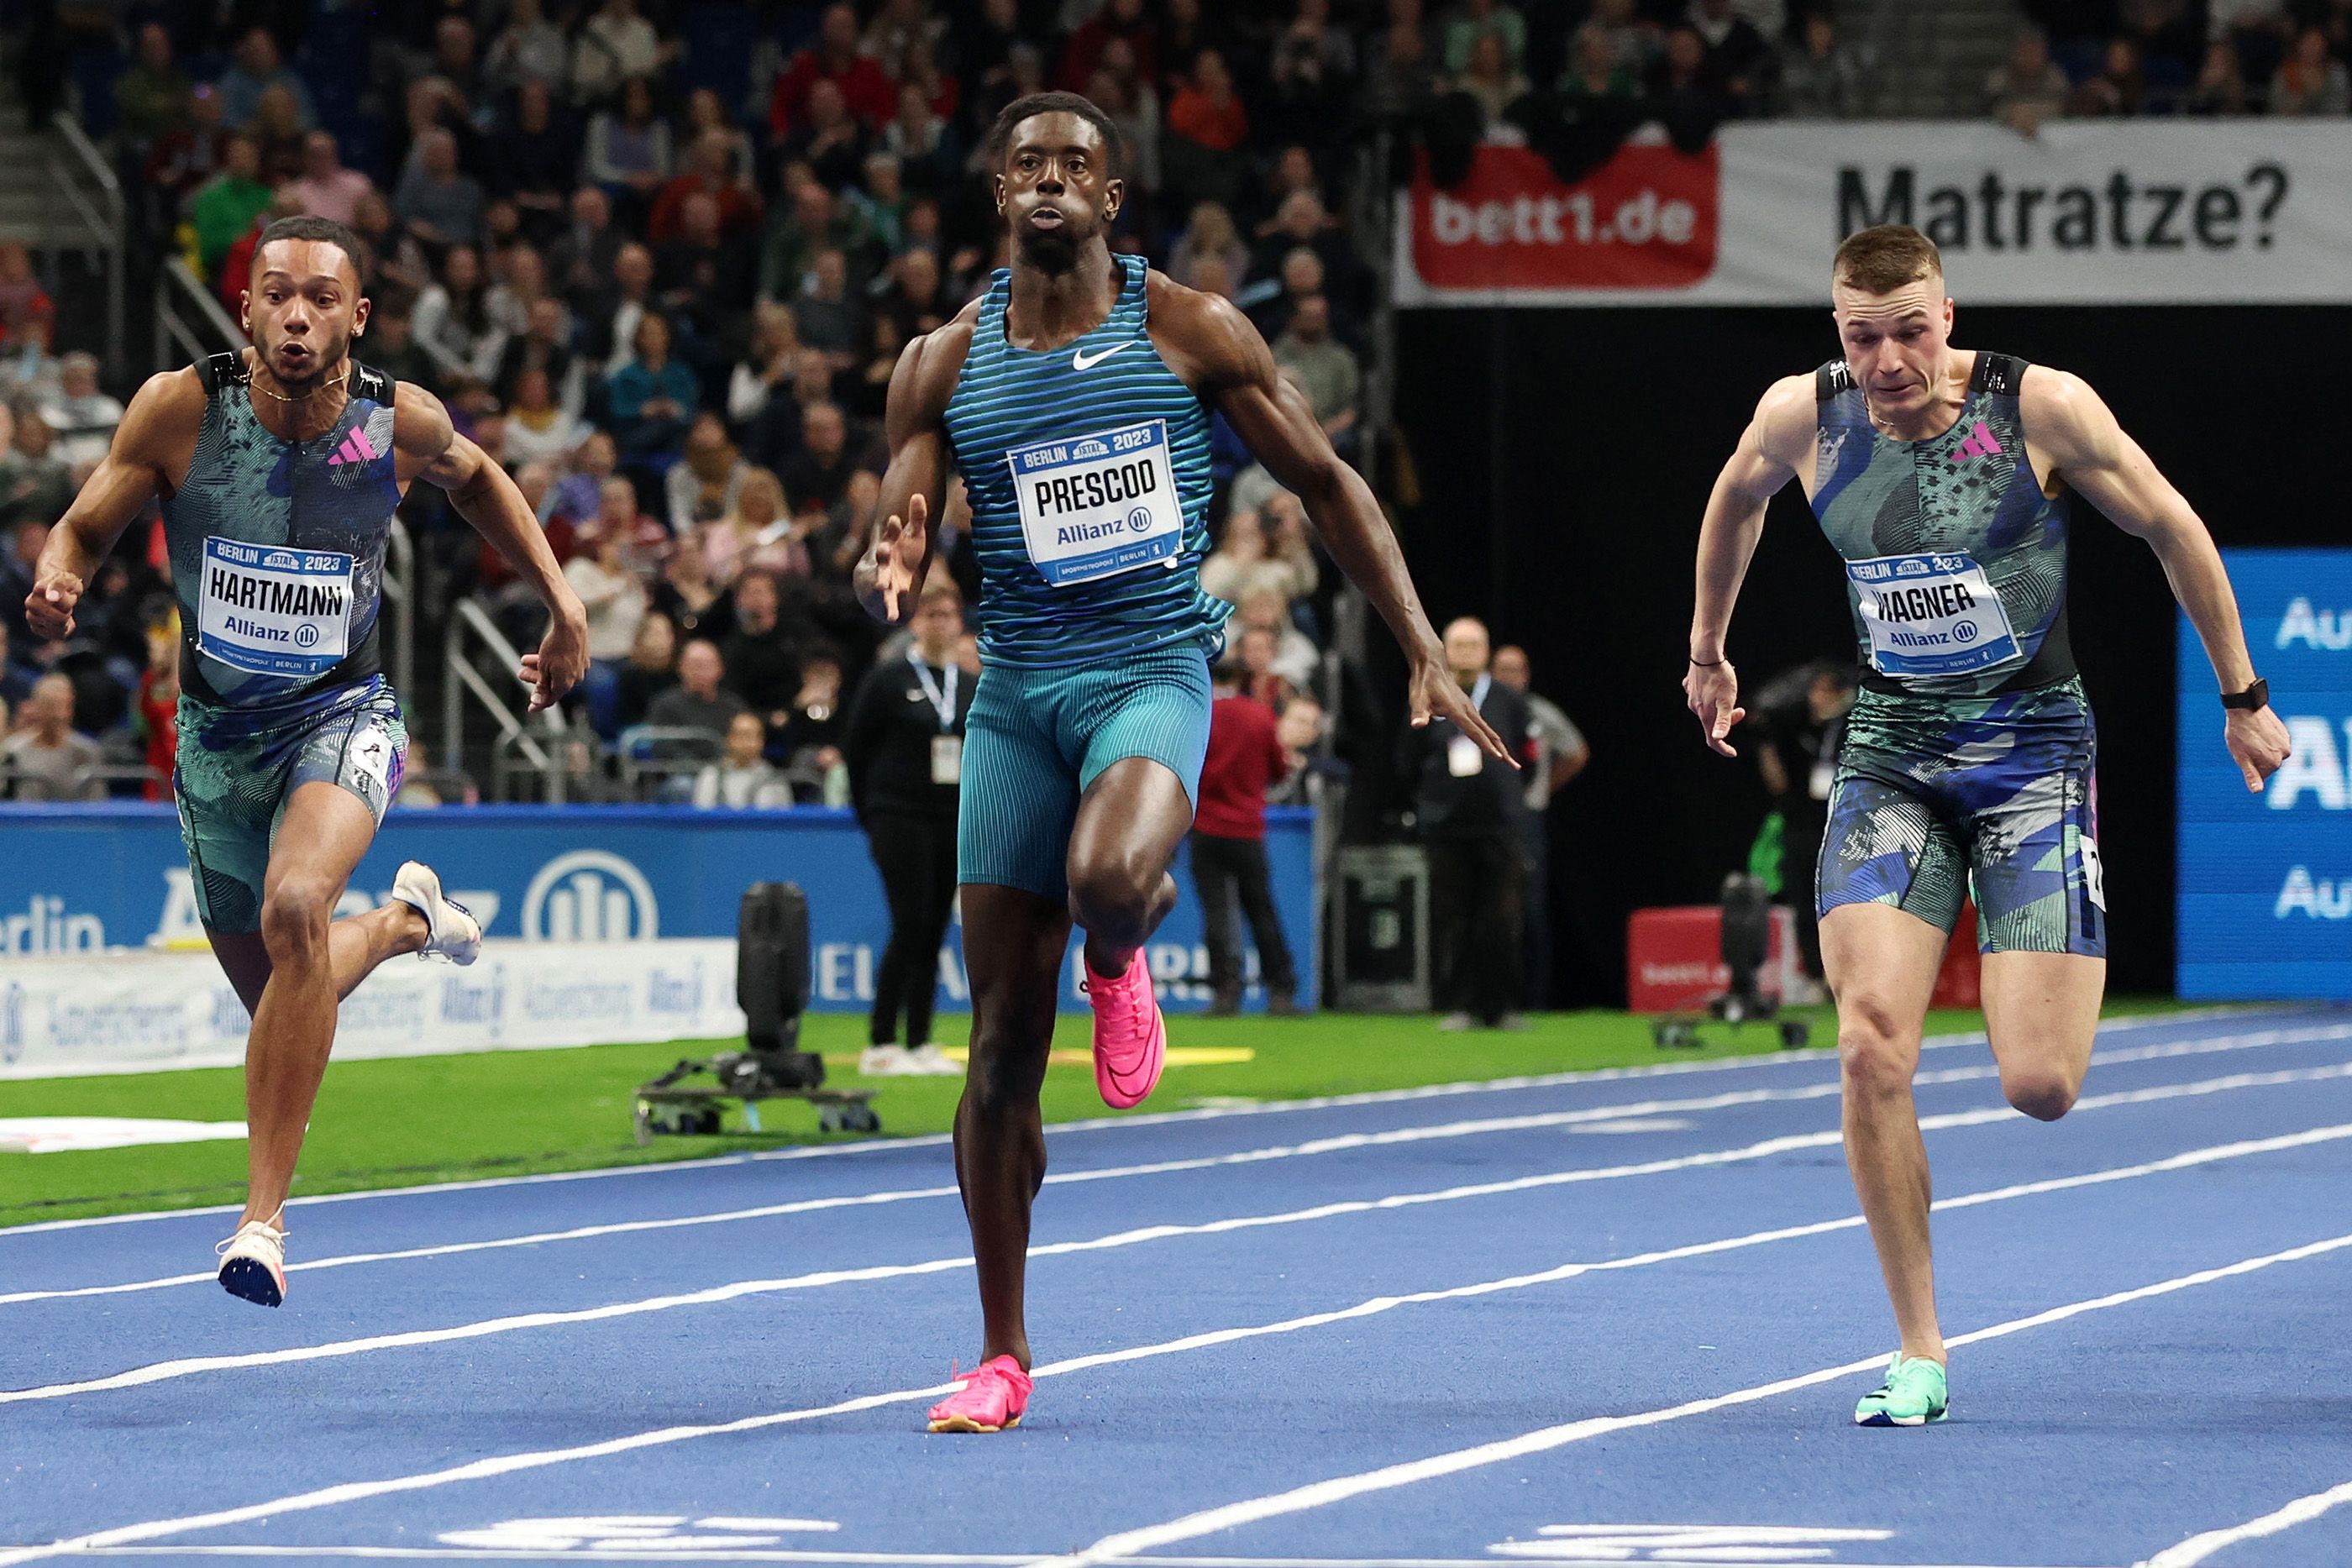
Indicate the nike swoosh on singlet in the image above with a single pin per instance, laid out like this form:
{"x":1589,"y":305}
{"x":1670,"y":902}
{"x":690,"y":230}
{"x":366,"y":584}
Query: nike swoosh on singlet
{"x":1078,"y":360}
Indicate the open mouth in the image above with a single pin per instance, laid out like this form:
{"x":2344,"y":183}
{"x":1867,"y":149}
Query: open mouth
{"x":1046,"y":218}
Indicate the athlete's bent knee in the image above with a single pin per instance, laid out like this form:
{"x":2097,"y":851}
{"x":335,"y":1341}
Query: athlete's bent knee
{"x":1114,"y":893}
{"x":1874,"y":1056}
{"x":295,"y":916}
{"x":2041,"y":1094}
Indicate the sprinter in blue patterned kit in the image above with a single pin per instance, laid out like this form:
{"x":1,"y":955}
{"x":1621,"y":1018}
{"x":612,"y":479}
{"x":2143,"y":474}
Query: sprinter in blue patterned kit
{"x":278,"y":468}
{"x":1943,"y":477}
{"x":1073,"y":399}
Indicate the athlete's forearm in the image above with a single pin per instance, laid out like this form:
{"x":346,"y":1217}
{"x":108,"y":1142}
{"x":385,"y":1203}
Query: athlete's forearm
{"x":1727,"y":541}
{"x":2201,"y":584}
{"x":496,"y":509}
{"x":1350,"y":523}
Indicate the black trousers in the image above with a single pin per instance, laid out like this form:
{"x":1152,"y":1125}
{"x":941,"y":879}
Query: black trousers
{"x":1225,"y":870}
{"x":1477,"y":908}
{"x":1803,"y":823}
{"x":917,"y":858}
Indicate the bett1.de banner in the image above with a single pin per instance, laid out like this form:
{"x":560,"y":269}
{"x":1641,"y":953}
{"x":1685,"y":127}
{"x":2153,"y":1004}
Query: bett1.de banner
{"x":2255,"y":212}
{"x":2265,"y":889}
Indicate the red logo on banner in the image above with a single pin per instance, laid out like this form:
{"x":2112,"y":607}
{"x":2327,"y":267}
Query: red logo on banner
{"x":1648,"y":218}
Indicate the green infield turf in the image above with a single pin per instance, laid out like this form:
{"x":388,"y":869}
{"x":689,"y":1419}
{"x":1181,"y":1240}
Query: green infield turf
{"x":447,"y":1118}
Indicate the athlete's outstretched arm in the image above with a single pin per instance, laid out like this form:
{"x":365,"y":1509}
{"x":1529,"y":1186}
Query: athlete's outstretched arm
{"x":890,"y":574}
{"x":127,"y":478}
{"x":432,"y":450}
{"x":2070,"y":422}
{"x":1763,"y":462}
{"x":1278,"y":424}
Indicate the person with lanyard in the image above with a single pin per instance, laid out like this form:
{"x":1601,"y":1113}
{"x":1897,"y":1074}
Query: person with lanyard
{"x":1944,"y":479}
{"x":278,"y":467}
{"x":904,"y":746}
{"x":1470,"y":806}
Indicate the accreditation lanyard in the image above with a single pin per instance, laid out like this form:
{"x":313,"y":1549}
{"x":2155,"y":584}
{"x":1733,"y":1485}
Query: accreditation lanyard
{"x":1463,"y":758}
{"x":942,"y":702}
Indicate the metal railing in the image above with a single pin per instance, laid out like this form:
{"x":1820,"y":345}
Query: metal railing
{"x":90,"y":188}
{"x":400,"y":595}
{"x":540,"y":746}
{"x":189,"y":322}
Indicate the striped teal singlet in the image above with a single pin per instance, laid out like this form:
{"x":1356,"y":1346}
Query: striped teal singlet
{"x":1070,"y":419}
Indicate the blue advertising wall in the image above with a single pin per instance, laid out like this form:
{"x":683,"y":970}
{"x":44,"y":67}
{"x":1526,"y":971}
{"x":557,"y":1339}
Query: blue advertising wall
{"x":2265,"y":888}
{"x":88,"y":878}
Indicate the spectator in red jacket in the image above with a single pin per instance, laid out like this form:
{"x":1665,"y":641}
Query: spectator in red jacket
{"x":1228,"y":846}
{"x":833,"y":57}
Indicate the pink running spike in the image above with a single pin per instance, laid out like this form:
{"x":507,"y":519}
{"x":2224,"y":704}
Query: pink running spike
{"x":1130,"y":1035}
{"x":992,"y":1399}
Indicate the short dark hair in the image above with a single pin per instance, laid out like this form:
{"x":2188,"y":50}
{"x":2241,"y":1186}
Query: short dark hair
{"x":322,"y":231}
{"x":1881,"y":259}
{"x":1000,"y":135}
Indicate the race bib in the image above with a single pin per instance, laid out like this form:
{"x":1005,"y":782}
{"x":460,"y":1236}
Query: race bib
{"x":1100,"y":505}
{"x":947,"y":760}
{"x":271,"y":611}
{"x":1931,"y":615}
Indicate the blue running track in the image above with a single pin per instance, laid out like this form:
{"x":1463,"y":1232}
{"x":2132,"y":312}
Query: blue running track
{"x":1616,"y":1318}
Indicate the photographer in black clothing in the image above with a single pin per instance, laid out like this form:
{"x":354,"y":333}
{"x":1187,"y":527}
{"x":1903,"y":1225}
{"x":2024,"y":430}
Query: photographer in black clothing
{"x":904,"y":746}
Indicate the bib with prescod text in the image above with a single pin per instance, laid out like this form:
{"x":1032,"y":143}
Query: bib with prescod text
{"x":270,"y":609}
{"x":1100,"y":505}
{"x":1931,"y":615}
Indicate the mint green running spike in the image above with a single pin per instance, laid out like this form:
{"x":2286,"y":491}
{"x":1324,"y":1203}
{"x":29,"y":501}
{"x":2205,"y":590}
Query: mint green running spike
{"x":1913,"y":1395}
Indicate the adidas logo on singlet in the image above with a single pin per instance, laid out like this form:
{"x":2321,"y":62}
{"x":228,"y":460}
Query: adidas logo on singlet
{"x":1979,"y":444}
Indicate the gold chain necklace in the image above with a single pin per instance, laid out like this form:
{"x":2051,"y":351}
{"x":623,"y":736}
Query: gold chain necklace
{"x":281,"y":397}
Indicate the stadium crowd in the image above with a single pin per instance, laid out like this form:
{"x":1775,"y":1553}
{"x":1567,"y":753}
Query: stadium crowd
{"x":659,"y":260}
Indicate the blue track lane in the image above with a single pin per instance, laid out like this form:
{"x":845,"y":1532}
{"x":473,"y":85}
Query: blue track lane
{"x":1714,"y":1203}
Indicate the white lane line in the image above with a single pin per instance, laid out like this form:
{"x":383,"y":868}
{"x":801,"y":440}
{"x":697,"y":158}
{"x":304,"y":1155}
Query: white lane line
{"x":1147,"y":1119}
{"x":361,"y":1491}
{"x":1591,"y":1117}
{"x":191,"y":1366}
{"x":848,"y":1559}
{"x":2301,"y":1511}
{"x":1387,"y":1477}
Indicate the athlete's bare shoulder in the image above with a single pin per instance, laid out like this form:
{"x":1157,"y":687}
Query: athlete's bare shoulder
{"x":2050,"y":398}
{"x":1785,"y":417}
{"x":1205,"y":337}
{"x":421,"y":427}
{"x":160,"y":427}
{"x":928,"y":368}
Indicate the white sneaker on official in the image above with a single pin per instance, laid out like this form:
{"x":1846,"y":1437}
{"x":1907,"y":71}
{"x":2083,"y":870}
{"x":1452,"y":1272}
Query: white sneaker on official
{"x":928,"y":1060}
{"x":886,"y":1061}
{"x":253,"y":1263}
{"x":452,"y":932}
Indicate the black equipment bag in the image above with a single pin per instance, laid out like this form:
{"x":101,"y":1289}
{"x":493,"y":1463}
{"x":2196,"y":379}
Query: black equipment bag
{"x":772,"y":980}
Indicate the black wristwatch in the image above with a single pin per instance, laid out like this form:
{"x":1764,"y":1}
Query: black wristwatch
{"x":2254,"y":699}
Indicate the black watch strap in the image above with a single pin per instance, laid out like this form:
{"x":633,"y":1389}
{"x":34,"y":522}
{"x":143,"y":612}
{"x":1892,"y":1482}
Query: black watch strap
{"x":2252,"y":699}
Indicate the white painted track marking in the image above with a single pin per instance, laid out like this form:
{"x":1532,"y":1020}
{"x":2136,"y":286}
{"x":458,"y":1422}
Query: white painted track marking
{"x":2301,"y":1511}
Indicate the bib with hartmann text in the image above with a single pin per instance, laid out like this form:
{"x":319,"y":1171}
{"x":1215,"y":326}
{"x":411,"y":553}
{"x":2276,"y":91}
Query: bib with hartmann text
{"x":1931,"y":615}
{"x":270,"y":609}
{"x":1099,"y":505}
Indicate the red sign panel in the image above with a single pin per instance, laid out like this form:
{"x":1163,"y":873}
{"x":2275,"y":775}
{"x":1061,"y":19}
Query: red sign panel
{"x":1648,"y":218}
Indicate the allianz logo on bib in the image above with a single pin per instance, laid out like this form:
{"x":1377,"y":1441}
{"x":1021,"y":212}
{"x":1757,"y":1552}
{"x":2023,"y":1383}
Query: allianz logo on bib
{"x":2328,"y":630}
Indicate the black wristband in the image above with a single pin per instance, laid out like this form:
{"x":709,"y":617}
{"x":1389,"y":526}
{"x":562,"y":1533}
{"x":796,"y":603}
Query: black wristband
{"x":1705,"y":664}
{"x":2254,"y":699}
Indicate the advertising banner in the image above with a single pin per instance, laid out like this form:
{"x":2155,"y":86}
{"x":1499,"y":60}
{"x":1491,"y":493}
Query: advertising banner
{"x":2265,"y":888}
{"x":2104,"y":213}
{"x":78,"y":880}
{"x":145,"y":1012}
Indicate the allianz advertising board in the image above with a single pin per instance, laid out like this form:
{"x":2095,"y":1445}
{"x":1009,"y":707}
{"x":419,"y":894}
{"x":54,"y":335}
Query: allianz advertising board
{"x":90,"y":879}
{"x":2265,"y":886}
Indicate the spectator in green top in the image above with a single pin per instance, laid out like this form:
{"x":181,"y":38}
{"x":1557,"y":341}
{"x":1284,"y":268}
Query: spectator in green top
{"x":1325,"y":370}
{"x":228,"y":204}
{"x":1473,"y":20}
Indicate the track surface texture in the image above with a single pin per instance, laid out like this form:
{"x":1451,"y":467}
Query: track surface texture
{"x":1617,"y":1318}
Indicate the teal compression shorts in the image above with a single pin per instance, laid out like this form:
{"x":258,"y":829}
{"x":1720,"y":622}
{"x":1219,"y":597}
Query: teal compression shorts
{"x":1037,"y":739}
